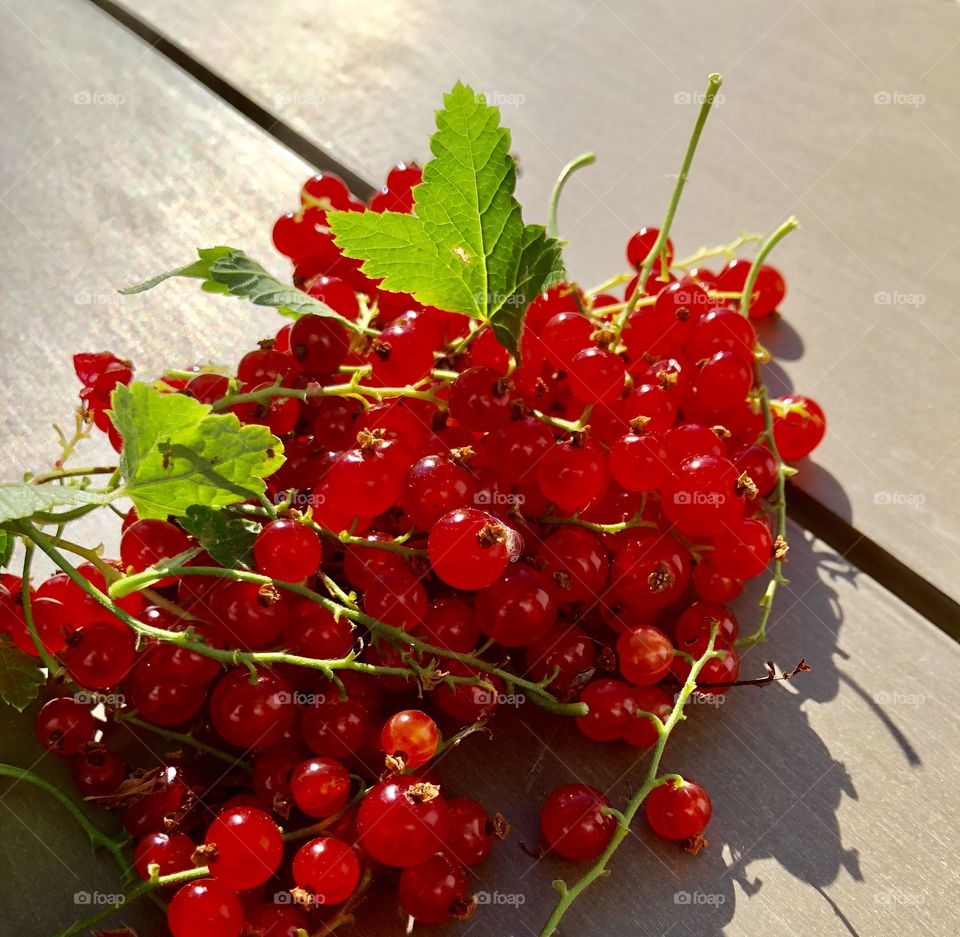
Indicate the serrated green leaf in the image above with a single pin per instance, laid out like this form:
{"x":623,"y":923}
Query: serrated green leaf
{"x":176,"y":453}
{"x":465,"y":248}
{"x":198,"y":270}
{"x":540,"y":267}
{"x":25,"y":500}
{"x":227,"y":538}
{"x":230,"y":271}
{"x":20,"y":678}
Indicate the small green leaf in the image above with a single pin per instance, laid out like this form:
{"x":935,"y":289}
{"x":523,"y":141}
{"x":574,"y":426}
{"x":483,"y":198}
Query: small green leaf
{"x":24,"y":500}
{"x":227,"y":538}
{"x":230,"y":271}
{"x":20,"y":678}
{"x":7,"y":541}
{"x":176,"y":453}
{"x":465,"y":248}
{"x":199,"y":270}
{"x":539,"y":268}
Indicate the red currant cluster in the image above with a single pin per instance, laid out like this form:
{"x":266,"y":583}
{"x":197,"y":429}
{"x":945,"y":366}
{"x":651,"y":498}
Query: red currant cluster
{"x":596,"y":502}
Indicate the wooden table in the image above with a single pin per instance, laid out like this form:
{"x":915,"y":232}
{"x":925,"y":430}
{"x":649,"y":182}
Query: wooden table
{"x":835,"y":804}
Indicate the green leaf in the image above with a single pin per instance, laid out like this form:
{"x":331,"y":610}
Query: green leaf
{"x":465,"y":248}
{"x":7,"y":541}
{"x":227,"y":538}
{"x":20,"y":678}
{"x":176,"y":453}
{"x":26,"y":499}
{"x":230,"y":271}
{"x":540,"y":261}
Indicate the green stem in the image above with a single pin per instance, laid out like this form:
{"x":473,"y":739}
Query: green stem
{"x":721,"y":250}
{"x":183,"y":739}
{"x":133,"y":583}
{"x":72,"y":473}
{"x":26,"y":603}
{"x":568,"y":894}
{"x":351,"y":389}
{"x":783,"y":470}
{"x":138,"y":891}
{"x":585,"y":159}
{"x":660,"y":245}
{"x":97,"y":837}
{"x":598,"y":528}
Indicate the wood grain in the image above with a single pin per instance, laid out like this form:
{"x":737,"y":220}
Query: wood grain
{"x":869,"y":327}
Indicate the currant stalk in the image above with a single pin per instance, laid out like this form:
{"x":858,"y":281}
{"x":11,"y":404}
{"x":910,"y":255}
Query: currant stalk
{"x":713,"y":86}
{"x":624,"y":818}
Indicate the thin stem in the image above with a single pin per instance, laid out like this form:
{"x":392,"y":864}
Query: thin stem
{"x":351,"y":389}
{"x":568,"y":894}
{"x":585,"y":159}
{"x":26,"y":602}
{"x":783,"y":470}
{"x":660,"y":245}
{"x":72,"y":473}
{"x":138,"y":891}
{"x":183,"y":739}
{"x":598,"y":528}
{"x":721,"y":250}
{"x":129,"y":584}
{"x":97,"y":837}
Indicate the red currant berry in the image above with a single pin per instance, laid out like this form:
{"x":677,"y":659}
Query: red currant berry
{"x":743,"y":550}
{"x":639,"y":461}
{"x":480,"y":399}
{"x":65,"y":724}
{"x":328,"y":869}
{"x":287,"y":550}
{"x":517,"y":609}
{"x":469,"y":549}
{"x":252,"y":713}
{"x":410,"y":735}
{"x":678,"y":813}
{"x":248,"y":847}
{"x":572,"y":474}
{"x":146,"y":543}
{"x":645,"y":654}
{"x":697,"y":619}
{"x":319,"y":344}
{"x":573,"y":823}
{"x":97,"y":772}
{"x":641,"y":731}
{"x":769,"y":288}
{"x":170,"y":851}
{"x":402,"y":821}
{"x":798,"y":426}
{"x":433,"y":891}
{"x":205,"y":908}
{"x":470,"y":831}
{"x":99,"y":656}
{"x":320,"y":786}
{"x":611,"y":706}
